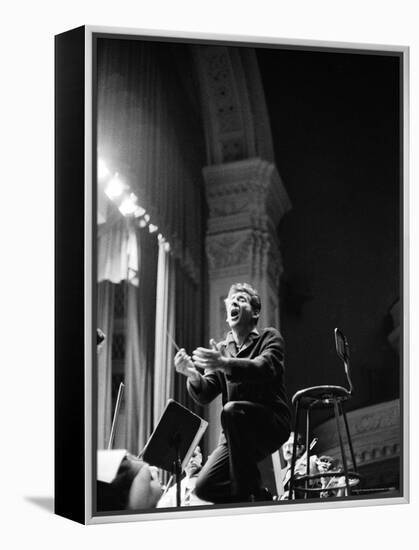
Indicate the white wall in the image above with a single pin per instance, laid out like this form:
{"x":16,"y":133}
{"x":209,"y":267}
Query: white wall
{"x":27,"y":267}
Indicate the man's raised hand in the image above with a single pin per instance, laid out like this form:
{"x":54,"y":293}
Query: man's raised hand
{"x":184,"y":365}
{"x":209,"y":359}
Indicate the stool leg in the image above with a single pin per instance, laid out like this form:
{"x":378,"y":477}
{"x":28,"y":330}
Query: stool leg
{"x":348,"y":435}
{"x":307,"y":447}
{"x":342,"y":448}
{"x":294,"y":450}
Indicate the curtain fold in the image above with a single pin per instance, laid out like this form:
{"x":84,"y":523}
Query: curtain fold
{"x":105,"y":318}
{"x":117,"y":252}
{"x":164,"y":372}
{"x":140,"y":341}
{"x":188,"y":328}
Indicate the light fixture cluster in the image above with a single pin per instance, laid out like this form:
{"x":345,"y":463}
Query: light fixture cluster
{"x":119,"y":192}
{"x":163,"y":242}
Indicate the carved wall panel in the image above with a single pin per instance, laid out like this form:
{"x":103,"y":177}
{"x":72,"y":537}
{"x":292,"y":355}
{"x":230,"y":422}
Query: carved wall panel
{"x":375,"y":433}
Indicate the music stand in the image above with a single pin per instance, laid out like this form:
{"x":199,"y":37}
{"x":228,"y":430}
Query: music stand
{"x":173,"y":441}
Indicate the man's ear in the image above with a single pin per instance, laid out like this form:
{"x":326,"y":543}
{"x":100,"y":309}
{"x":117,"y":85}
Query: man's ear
{"x":256,"y":316}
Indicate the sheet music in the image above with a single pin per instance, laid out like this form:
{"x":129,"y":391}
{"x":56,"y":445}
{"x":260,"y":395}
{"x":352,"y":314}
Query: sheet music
{"x":108,"y":463}
{"x":175,"y":421}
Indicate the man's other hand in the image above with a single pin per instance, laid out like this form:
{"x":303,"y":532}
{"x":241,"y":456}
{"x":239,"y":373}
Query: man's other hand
{"x":184,"y":365}
{"x":209,"y":359}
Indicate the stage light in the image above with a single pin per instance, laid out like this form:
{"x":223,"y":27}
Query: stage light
{"x":152,"y":228}
{"x":128,"y":205}
{"x":147,"y":217}
{"x":139,"y":212}
{"x":142,"y":223}
{"x":115,"y":187}
{"x":163,"y":242}
{"x":102,"y":169}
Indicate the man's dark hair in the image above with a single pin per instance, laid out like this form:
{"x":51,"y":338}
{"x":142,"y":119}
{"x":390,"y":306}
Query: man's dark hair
{"x":248,"y":289}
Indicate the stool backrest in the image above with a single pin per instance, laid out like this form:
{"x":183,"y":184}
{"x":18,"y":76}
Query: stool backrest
{"x":342,"y":349}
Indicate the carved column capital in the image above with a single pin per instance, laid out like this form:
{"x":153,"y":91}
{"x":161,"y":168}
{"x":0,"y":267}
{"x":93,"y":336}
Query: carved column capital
{"x":246,"y":193}
{"x":246,"y":201}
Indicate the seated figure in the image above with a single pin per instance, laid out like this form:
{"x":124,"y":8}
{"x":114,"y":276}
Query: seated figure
{"x":330,"y":485}
{"x":300,"y":468}
{"x":187,"y":486}
{"x":125,"y":482}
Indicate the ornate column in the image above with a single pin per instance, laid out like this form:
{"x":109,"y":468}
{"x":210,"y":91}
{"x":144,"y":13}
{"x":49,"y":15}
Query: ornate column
{"x":246,"y":201}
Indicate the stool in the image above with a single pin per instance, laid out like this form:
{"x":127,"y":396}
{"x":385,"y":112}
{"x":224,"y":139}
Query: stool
{"x":318,"y":397}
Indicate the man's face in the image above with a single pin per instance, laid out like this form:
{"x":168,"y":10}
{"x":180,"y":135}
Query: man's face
{"x":239,"y":311}
{"x":287,"y":449}
{"x":145,"y":489}
{"x":195,"y":463}
{"x":324,"y":464}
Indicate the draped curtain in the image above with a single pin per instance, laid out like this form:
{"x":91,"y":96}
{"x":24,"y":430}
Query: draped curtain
{"x":117,"y":261}
{"x":148,"y":134}
{"x":105,"y":303}
{"x":117,"y":251}
{"x":164,"y":373}
{"x":189,"y":331}
{"x":140,"y":342}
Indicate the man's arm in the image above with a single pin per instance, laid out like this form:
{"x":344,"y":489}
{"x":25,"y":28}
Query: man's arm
{"x":264,"y":366}
{"x":203,"y":389}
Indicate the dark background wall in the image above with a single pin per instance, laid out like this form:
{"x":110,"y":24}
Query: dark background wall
{"x":335,"y":125}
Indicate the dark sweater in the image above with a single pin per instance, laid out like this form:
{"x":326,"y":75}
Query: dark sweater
{"x":259,"y":378}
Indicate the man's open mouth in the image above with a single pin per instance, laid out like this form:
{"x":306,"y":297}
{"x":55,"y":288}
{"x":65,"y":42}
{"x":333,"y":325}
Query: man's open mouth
{"x":234,"y":313}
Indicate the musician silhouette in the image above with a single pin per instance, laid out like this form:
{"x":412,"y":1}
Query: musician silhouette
{"x":187,"y":486}
{"x":332,"y":486}
{"x":127,"y":483}
{"x":300,"y":467}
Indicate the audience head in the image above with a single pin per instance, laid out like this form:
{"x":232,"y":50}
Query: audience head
{"x":325,"y":463}
{"x":135,"y":486}
{"x":195,"y":462}
{"x":287,"y":447}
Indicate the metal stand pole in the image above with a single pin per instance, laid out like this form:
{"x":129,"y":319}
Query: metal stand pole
{"x":177,"y":470}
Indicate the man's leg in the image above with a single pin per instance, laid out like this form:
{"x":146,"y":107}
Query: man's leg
{"x":252,"y":432}
{"x":213,"y":483}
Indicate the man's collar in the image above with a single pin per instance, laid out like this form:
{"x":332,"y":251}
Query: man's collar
{"x":249,"y":338}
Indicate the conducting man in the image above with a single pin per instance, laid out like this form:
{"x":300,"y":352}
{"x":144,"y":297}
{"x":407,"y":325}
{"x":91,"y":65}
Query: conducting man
{"x":247,"y":368}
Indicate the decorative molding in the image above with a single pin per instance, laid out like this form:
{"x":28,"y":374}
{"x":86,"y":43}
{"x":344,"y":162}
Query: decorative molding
{"x":250,"y":251}
{"x":233,"y":104}
{"x":229,"y":249}
{"x":247,"y":193}
{"x":246,"y":201}
{"x":375,"y":433}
